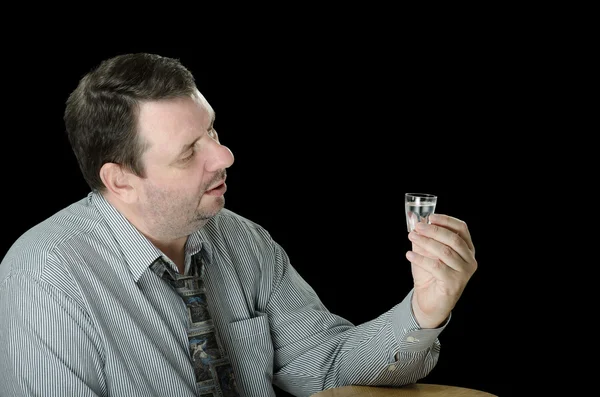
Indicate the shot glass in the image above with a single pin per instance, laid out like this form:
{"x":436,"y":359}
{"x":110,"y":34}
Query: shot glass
{"x":418,"y":207}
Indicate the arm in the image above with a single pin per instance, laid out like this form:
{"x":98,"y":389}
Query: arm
{"x":317,"y":350}
{"x":47,"y":345}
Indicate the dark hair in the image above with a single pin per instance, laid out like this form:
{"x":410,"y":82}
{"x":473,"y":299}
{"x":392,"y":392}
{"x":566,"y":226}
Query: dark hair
{"x":101,"y":113}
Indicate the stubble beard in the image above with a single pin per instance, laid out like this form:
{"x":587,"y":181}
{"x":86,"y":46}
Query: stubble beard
{"x":170,"y":220}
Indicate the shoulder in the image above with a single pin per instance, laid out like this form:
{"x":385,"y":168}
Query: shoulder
{"x":32,"y":252}
{"x":230,"y":222}
{"x":233,"y":230}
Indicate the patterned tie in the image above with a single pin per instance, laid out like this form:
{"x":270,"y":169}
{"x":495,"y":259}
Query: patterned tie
{"x":214,"y":375}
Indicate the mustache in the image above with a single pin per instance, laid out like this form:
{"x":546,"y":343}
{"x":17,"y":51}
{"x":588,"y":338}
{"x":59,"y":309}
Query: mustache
{"x":219,"y":176}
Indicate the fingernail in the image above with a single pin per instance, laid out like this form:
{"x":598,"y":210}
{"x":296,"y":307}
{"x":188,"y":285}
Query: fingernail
{"x":421,"y":225}
{"x":410,"y":255}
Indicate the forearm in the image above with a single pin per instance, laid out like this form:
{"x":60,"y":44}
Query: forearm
{"x":315,"y":349}
{"x":389,"y":350}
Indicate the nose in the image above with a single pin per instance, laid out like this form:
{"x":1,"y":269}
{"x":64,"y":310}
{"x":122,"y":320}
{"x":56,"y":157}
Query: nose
{"x":221,"y":158}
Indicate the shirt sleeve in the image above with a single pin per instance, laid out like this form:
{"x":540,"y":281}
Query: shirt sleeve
{"x":47,"y":344}
{"x":317,"y":350}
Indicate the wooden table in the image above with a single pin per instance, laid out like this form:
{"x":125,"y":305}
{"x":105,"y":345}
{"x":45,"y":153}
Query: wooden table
{"x":419,"y":389}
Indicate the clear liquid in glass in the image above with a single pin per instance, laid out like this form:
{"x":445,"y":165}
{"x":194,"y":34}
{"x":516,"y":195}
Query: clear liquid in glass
{"x":417,"y":212}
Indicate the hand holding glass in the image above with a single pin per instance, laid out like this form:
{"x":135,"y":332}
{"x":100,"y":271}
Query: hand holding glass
{"x":418,"y":207}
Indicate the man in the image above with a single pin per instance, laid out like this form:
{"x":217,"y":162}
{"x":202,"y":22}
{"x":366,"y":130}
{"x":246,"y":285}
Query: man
{"x":150,"y":287}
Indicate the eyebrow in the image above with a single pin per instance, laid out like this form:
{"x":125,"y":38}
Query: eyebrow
{"x":188,"y":146}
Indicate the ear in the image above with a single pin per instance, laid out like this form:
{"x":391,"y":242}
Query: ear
{"x":119,"y":182}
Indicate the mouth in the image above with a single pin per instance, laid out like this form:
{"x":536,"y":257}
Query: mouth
{"x":218,"y":185}
{"x":217,"y":190}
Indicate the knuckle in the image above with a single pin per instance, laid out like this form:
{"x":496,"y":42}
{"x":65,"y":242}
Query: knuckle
{"x":434,"y":228}
{"x":447,"y":251}
{"x":456,"y":239}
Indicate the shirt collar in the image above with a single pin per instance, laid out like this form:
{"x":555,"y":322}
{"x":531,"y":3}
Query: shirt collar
{"x":138,"y":251}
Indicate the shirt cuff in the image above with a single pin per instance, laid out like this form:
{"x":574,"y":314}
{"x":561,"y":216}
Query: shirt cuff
{"x":409,"y":336}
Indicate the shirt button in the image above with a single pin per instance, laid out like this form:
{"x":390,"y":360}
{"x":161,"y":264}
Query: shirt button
{"x":392,"y":367}
{"x":411,"y":339}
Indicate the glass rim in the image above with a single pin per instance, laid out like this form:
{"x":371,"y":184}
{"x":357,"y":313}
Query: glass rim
{"x":426,"y":195}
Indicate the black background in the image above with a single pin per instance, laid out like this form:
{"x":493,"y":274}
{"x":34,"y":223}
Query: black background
{"x":328,"y":133}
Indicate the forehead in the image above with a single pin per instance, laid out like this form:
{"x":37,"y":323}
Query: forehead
{"x":168,"y":123}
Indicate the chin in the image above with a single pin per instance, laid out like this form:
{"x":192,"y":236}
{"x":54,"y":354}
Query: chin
{"x":208,"y":211}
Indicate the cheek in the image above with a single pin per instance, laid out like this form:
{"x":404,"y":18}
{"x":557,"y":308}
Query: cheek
{"x":187,"y":184}
{"x":182,"y":181}
{"x":178,"y":177}
{"x":167,"y":187}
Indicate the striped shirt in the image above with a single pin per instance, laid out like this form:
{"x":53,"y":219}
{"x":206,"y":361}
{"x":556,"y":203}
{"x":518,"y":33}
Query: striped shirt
{"x":82,"y":314}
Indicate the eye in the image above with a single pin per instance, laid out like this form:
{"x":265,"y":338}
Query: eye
{"x":188,"y":158}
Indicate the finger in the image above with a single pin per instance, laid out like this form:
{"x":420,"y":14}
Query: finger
{"x":446,"y":237}
{"x":433,"y":266}
{"x":455,"y":225}
{"x":422,"y":251}
{"x":444,"y":252}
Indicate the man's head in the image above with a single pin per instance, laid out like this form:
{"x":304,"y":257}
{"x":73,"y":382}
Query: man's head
{"x":144,"y":137}
{"x":101,"y":115}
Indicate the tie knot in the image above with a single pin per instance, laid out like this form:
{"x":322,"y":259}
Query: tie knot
{"x":163,"y":270}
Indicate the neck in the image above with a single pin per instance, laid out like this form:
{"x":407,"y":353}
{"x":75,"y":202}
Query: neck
{"x":175,"y":251}
{"x":173,"y":248}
